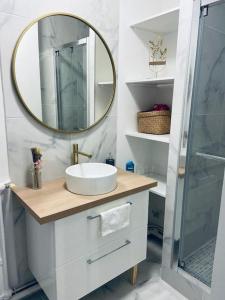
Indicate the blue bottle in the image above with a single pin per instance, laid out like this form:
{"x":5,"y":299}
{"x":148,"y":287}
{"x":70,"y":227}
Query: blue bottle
{"x":130,"y":166}
{"x":110,"y":160}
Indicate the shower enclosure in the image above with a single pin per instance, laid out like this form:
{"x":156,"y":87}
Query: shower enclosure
{"x":67,"y":77}
{"x":203,"y":148}
{"x":71,"y":85}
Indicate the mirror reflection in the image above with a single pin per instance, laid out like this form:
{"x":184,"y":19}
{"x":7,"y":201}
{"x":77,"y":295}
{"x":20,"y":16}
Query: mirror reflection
{"x":64,"y":73}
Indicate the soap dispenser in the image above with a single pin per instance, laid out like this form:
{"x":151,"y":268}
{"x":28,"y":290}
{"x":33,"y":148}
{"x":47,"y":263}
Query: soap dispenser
{"x":110,"y":160}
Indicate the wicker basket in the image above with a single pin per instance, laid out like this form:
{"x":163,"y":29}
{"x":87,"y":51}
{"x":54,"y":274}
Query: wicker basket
{"x":154,"y":122}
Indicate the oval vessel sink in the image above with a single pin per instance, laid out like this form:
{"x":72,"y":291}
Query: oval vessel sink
{"x":91,"y":178}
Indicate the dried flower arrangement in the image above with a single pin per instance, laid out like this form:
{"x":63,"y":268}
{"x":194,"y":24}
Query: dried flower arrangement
{"x":158,"y":54}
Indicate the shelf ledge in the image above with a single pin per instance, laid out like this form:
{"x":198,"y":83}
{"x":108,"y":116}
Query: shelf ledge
{"x":163,"y":23}
{"x":164,"y":138}
{"x":105,"y":83}
{"x":152,"y":82}
{"x":160,"y":189}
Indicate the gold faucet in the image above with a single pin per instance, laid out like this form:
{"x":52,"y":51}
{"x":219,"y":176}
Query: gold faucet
{"x":75,"y":155}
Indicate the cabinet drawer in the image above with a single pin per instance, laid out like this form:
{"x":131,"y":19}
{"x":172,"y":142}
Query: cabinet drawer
{"x":138,"y":218}
{"x":78,"y":234}
{"x":82,"y":276}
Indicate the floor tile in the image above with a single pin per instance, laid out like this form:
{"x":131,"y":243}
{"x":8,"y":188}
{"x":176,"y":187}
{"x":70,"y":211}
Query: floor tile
{"x":200,"y":263}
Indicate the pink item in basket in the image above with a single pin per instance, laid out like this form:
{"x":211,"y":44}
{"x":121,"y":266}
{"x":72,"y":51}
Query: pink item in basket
{"x":158,"y":107}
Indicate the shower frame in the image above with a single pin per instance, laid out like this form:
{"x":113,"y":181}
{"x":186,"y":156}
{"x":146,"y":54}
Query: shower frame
{"x":171,"y":273}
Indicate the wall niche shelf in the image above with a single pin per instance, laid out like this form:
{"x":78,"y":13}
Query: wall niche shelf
{"x":163,"y":23}
{"x":164,"y":138}
{"x":138,"y":91}
{"x":158,"y":82}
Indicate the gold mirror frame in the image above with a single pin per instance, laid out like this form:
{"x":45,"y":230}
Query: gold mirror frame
{"x":13,"y":71}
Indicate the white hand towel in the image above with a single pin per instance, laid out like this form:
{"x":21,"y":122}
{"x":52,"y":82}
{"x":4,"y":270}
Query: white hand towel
{"x":115,"y":219}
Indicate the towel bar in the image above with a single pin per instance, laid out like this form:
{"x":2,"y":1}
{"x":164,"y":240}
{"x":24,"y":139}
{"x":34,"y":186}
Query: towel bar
{"x":97,"y":216}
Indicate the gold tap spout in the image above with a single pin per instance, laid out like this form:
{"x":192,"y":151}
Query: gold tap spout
{"x":76,"y":152}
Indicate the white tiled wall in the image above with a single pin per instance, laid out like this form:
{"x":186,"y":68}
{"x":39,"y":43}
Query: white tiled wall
{"x":22,"y":131}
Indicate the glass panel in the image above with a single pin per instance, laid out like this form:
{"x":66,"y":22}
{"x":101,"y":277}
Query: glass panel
{"x":71,"y":66}
{"x":205,"y":160}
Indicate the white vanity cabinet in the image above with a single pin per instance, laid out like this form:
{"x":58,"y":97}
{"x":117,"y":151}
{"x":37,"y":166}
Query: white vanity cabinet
{"x":69,"y":257}
{"x":66,"y":251}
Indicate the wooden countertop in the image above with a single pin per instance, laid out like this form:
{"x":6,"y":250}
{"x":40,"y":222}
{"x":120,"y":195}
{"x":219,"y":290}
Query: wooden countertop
{"x":54,"y":201}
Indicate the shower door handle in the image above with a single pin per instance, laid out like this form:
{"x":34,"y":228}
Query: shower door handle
{"x":209,"y":156}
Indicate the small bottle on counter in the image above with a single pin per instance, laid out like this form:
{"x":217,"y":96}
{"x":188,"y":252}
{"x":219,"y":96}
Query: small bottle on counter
{"x":130,"y":166}
{"x":110,"y":160}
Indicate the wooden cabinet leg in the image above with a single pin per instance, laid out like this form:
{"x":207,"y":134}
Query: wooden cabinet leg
{"x":134,"y":273}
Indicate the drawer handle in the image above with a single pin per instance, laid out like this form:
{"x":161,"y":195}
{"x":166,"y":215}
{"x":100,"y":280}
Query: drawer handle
{"x":91,"y":261}
{"x":97,"y":216}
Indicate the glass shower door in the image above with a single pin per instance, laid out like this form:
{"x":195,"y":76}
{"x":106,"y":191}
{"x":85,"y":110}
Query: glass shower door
{"x":71,"y":85}
{"x":205,"y":158}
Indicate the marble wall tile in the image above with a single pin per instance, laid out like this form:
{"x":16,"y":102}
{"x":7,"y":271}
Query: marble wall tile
{"x":211,"y":92}
{"x":53,"y":35}
{"x":208,"y":134}
{"x":22,"y":135}
{"x":4,"y":174}
{"x":99,"y":141}
{"x":16,"y":24}
{"x":19,"y":273}
{"x":30,"y":9}
{"x":23,"y":132}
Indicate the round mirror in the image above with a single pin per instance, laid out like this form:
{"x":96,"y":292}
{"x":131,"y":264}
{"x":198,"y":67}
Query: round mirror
{"x":64,"y":73}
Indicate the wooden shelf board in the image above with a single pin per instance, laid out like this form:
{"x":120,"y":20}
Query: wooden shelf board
{"x":152,"y":81}
{"x":165,"y":138}
{"x":163,"y":23}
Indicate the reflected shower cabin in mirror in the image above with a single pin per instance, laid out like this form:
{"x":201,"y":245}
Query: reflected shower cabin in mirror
{"x":64,"y":73}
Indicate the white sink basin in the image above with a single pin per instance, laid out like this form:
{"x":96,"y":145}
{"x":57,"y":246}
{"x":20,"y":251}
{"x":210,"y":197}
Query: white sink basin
{"x":91,"y":178}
